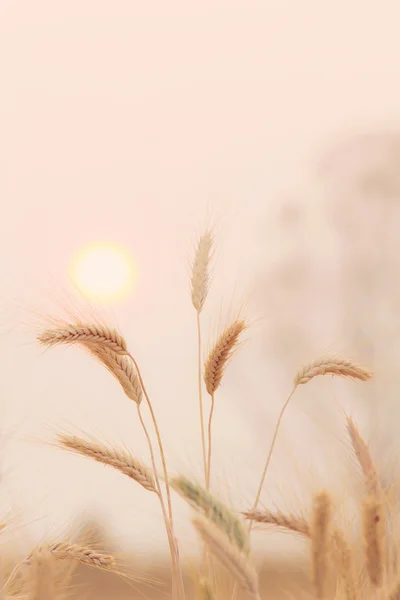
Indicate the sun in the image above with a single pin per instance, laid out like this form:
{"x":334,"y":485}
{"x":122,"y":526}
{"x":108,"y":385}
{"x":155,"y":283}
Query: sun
{"x":103,"y":271}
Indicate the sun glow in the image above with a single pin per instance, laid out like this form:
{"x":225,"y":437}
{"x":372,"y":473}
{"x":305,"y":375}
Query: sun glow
{"x":104,"y":272}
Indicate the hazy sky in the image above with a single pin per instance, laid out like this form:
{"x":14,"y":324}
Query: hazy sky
{"x":140,"y":122}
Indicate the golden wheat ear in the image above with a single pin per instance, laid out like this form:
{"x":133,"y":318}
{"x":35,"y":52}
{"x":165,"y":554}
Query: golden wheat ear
{"x":331,"y":365}
{"x":320,"y":535}
{"x":121,"y":460}
{"x":201,"y":270}
{"x":88,"y":334}
{"x":220,"y":354}
{"x":122,"y":368}
{"x":362,"y":452}
{"x":279,"y":519}
{"x":374,"y":539}
{"x":343,"y":559}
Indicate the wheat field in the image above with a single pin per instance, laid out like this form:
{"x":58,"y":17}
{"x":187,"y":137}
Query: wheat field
{"x":344,"y":556}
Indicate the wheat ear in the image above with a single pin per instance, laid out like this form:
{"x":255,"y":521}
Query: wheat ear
{"x":343,"y":559}
{"x":201,"y":270}
{"x":216,"y":511}
{"x":331,"y":365}
{"x":122,"y":368}
{"x":84,"y":555}
{"x":279,"y":519}
{"x":373,"y":528}
{"x":121,"y":460}
{"x":213,"y":372}
{"x":228,"y":555}
{"x":364,"y":458}
{"x":87,"y":334}
{"x":320,"y":533}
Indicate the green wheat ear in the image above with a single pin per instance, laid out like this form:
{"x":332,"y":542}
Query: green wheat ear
{"x":215,"y":510}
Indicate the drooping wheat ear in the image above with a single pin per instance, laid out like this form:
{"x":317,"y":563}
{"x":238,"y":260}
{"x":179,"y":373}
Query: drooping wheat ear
{"x":374,"y":535}
{"x":279,"y":519}
{"x":86,"y":556}
{"x":200,"y":270}
{"x":87,"y":334}
{"x":228,"y":555}
{"x":364,"y":458}
{"x":343,"y":559}
{"x":320,"y":533}
{"x":215,"y":510}
{"x":331,"y":365}
{"x":220,"y":354}
{"x":119,"y":459}
{"x":122,"y":368}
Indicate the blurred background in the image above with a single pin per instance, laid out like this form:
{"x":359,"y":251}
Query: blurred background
{"x":139,"y":124}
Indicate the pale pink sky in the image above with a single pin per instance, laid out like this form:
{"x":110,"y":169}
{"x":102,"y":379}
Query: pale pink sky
{"x":138,"y":122}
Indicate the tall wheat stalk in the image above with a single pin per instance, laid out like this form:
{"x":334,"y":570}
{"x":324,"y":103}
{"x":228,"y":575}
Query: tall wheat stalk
{"x":332,"y":365}
{"x":110,"y":348}
{"x":200,"y":286}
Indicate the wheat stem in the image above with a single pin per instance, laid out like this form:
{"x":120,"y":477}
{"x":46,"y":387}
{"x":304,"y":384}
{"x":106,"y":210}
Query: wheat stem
{"x":269,"y":455}
{"x":201,"y":409}
{"x":208,"y":480}
{"x":169,"y":518}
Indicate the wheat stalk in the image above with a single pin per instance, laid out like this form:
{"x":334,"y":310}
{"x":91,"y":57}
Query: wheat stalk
{"x":219,"y":514}
{"x":99,"y":337}
{"x":279,"y":519}
{"x":331,"y":365}
{"x":200,"y":286}
{"x":122,"y":368}
{"x":343,"y":559}
{"x":200,"y":270}
{"x":228,"y":555}
{"x":373,"y":529}
{"x":364,"y":457}
{"x":86,"y":334}
{"x":320,"y":533}
{"x":119,"y":459}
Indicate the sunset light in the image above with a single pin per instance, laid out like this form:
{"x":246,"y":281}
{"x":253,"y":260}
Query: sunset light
{"x":104,"y":272}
